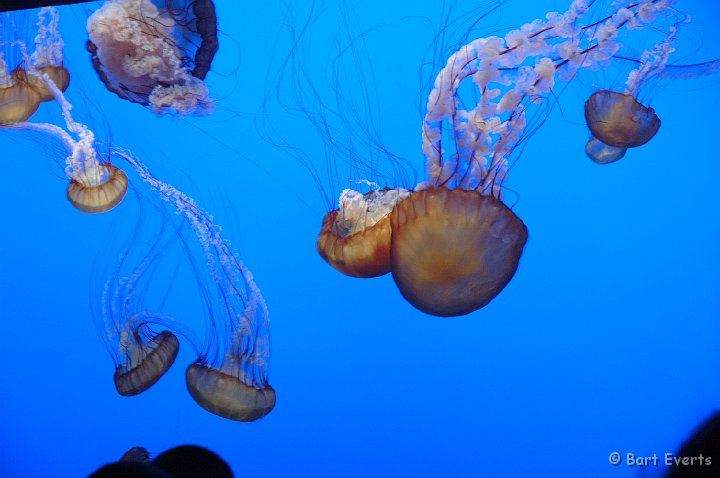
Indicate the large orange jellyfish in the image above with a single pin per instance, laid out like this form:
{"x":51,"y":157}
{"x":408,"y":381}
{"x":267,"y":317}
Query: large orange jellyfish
{"x":156,"y":53}
{"x":453,"y":243}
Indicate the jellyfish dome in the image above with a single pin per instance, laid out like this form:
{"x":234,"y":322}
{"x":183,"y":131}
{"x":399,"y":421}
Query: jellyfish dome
{"x":602,"y":153}
{"x":18,"y":101}
{"x":155,"y":53}
{"x":355,"y":238}
{"x":224,"y":394}
{"x":454,"y":250}
{"x":147,"y":360}
{"x":618,"y":120}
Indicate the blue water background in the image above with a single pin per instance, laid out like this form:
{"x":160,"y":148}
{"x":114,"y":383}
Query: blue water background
{"x":606,"y":339}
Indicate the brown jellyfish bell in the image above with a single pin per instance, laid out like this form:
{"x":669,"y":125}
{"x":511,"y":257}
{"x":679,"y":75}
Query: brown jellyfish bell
{"x":18,"y":102}
{"x":619,"y":120}
{"x":58,"y":74}
{"x":601,"y":153}
{"x":228,"y":396}
{"x":147,"y":359}
{"x":454,"y":250}
{"x":99,"y":195}
{"x":355,"y":238}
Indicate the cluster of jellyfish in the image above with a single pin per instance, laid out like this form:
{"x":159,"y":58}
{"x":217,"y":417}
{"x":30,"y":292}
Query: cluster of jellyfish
{"x":451,"y":243}
{"x":129,"y":48}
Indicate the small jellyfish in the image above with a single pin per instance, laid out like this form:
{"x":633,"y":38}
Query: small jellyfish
{"x":141,"y":354}
{"x":155,"y":53}
{"x":618,"y":121}
{"x":355,"y":238}
{"x":147,"y":357}
{"x":601,"y":153}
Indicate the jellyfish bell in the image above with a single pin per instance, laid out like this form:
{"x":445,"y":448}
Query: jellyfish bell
{"x":148,"y":357}
{"x":619,"y":120}
{"x":355,"y":238}
{"x":454,"y":250}
{"x":142,"y":51}
{"x":18,"y":102}
{"x":226,"y":395}
{"x":601,"y":153}
{"x":59,"y":75}
{"x":98,"y":193}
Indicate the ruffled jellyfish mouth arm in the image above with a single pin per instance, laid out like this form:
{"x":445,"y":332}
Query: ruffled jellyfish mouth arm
{"x":487,"y":134}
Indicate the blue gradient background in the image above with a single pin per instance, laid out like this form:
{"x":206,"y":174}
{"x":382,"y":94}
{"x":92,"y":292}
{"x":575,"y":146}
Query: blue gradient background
{"x":606,"y":339}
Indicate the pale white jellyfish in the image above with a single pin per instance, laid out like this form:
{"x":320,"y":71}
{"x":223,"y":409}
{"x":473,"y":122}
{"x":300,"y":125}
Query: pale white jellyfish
{"x":95,"y":184}
{"x":156,"y":54}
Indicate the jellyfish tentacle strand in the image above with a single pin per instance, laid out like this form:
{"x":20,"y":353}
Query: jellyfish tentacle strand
{"x":47,"y":58}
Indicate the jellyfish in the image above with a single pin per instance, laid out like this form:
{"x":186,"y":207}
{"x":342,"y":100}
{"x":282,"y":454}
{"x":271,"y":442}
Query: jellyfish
{"x":355,"y":233}
{"x":157,"y":53}
{"x":47,"y":58}
{"x":95,"y":184}
{"x":618,"y":121}
{"x":141,"y":354}
{"x":355,"y":238}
